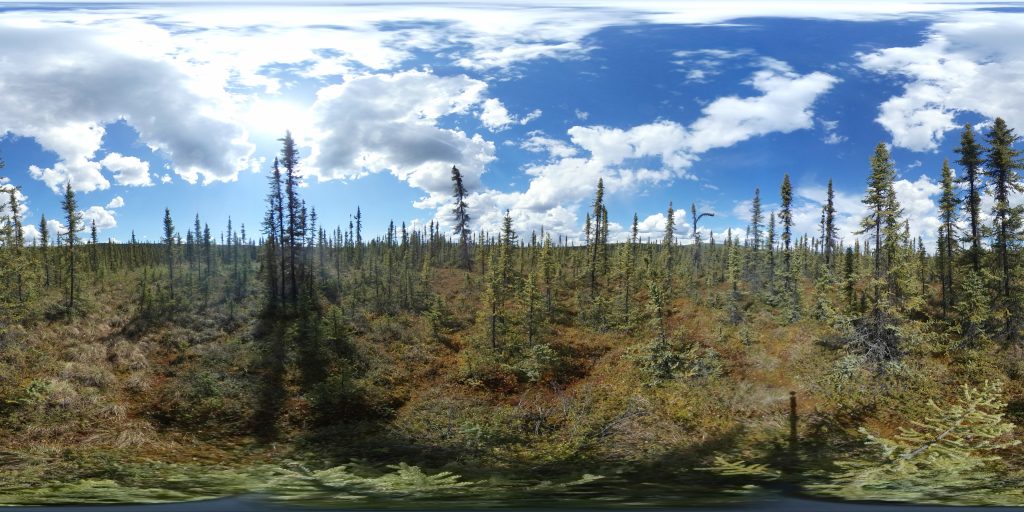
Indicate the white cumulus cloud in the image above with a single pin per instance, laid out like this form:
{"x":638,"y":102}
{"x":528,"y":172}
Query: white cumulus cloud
{"x":128,"y":170}
{"x":621,"y":156}
{"x":61,"y":84}
{"x":115,"y":203}
{"x":966,"y":64}
{"x":917,"y":197}
{"x":390,"y":122}
{"x":103,"y":217}
{"x":785,"y":105}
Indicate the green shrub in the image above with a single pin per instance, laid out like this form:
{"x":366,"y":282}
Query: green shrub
{"x":662,"y":359}
{"x":952,"y":453}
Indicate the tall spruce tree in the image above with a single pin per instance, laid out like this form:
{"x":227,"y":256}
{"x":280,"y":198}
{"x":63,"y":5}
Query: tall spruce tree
{"x":756,"y":221}
{"x":629,"y":269}
{"x":971,"y":160}
{"x":947,"y":245}
{"x":880,"y":200}
{"x":169,"y":250}
{"x":197,"y":246}
{"x":882,"y":341}
{"x":597,"y":244}
{"x":754,"y":265}
{"x":1001,"y":165}
{"x":94,"y":250}
{"x":293,"y":241}
{"x":667,"y":242}
{"x":44,"y":245}
{"x":208,"y":256}
{"x":829,"y":230}
{"x":16,"y":244}
{"x":547,"y":264}
{"x":790,"y":298}
{"x":506,"y":265}
{"x":73,"y":220}
{"x":359,"y":237}
{"x":272,"y":247}
{"x":849,"y":280}
{"x":12,"y":263}
{"x":461,"y":218}
{"x":770,"y":246}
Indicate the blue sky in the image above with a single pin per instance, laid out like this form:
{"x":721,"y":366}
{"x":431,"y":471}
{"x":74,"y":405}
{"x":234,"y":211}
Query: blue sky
{"x":179,"y":105}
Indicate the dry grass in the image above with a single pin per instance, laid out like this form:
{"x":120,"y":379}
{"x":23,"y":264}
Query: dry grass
{"x":128,"y":356}
{"x":102,"y":387}
{"x":88,"y":353}
{"x":85,"y":374}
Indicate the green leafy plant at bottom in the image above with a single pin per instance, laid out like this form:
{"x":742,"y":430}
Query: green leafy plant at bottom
{"x":951,"y":456}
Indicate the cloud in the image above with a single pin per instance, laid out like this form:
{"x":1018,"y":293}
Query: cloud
{"x":960,"y":67}
{"x":103,"y":217}
{"x":128,"y":170}
{"x":652,"y":227}
{"x":68,"y":72}
{"x":784,"y":106}
{"x":700,"y":65}
{"x":831,"y":137}
{"x":236,"y":41}
{"x":30,"y":233}
{"x":712,"y":53}
{"x":917,"y":198}
{"x":558,"y":187}
{"x":389,"y":122}
{"x":5,"y":199}
{"x":696,"y":75}
{"x":646,"y":154}
{"x":501,"y":57}
{"x":495,"y":116}
{"x":115,"y":203}
{"x":56,"y":227}
{"x":96,"y":66}
{"x":534,"y":114}
{"x":83,"y":174}
{"x":612,"y":146}
{"x":490,"y":207}
{"x":204,"y":64}
{"x":62,"y":84}
{"x":537,"y":142}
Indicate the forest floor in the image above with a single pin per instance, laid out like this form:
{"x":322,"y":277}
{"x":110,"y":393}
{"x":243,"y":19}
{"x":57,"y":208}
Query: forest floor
{"x":116,"y":400}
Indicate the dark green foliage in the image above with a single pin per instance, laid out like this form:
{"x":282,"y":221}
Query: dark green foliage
{"x":829,"y":230}
{"x":790,"y":294}
{"x":947,"y":246}
{"x":1001,"y":166}
{"x":880,"y":336}
{"x":73,"y":224}
{"x":461,"y":219}
{"x":971,"y":161}
{"x":168,"y":242}
{"x":663,"y":359}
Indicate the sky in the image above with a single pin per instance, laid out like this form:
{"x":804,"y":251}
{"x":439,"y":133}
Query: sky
{"x":180,"y":105}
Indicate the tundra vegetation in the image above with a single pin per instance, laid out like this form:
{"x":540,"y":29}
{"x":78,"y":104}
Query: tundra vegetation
{"x":308,"y":360}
